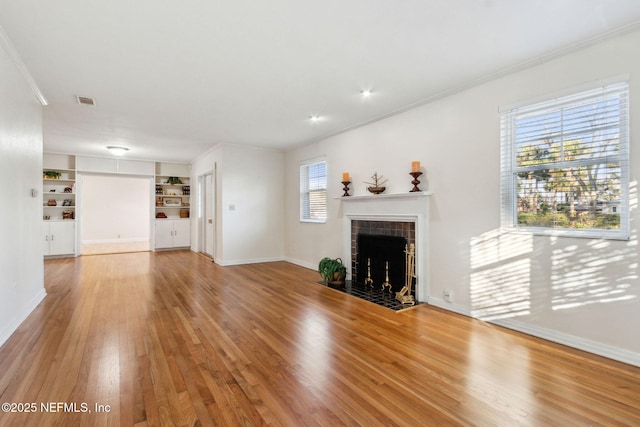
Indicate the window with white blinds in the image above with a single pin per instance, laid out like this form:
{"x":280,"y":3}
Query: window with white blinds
{"x":313,"y":192}
{"x":565,"y":165}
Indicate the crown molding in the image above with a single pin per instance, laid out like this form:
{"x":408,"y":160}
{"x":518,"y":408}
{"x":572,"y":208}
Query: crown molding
{"x":22,"y":68}
{"x":557,"y":53}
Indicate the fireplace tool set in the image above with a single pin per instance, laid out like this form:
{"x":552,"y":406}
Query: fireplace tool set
{"x":404,"y":295}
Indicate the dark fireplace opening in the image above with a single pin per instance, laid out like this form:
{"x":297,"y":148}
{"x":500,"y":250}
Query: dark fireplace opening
{"x":374,"y":252}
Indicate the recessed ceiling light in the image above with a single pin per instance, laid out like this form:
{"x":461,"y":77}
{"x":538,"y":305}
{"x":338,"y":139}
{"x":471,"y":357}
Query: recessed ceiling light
{"x":366,"y":93}
{"x":315,"y":118}
{"x":117,"y":150}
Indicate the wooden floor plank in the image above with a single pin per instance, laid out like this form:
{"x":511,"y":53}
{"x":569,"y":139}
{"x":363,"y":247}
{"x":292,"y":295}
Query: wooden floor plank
{"x":170,"y":338}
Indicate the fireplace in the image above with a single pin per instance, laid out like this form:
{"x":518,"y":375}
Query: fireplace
{"x":379,"y":252}
{"x":403,"y":216}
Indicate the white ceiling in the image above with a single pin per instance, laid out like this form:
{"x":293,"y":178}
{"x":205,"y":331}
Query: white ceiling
{"x":173,"y":78}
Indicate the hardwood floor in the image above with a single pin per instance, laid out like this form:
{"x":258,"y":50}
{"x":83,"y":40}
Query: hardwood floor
{"x":170,"y":338}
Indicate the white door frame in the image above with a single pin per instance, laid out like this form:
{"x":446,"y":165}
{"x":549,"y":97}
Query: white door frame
{"x":206,"y":195}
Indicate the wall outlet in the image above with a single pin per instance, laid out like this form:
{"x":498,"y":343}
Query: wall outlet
{"x":448,"y":295}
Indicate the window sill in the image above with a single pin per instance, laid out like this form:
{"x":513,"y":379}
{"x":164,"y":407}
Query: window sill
{"x":314,"y":221}
{"x":577,"y":234}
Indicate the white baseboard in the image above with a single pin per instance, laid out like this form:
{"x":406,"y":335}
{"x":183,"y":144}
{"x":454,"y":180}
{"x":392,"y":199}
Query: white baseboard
{"x":9,"y":329}
{"x":301,"y":263}
{"x":226,"y":263}
{"x":456,"y":308}
{"x":590,"y":346}
{"x":605,"y":350}
{"x":298,"y":262}
{"x":112,"y":241}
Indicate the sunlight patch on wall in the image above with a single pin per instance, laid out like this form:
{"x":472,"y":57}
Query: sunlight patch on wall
{"x":603,"y":273}
{"x":501,"y":291}
{"x":500,"y":277}
{"x":496,"y":246}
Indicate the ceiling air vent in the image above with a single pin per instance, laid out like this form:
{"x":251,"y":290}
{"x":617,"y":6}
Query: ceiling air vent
{"x":86,"y":101}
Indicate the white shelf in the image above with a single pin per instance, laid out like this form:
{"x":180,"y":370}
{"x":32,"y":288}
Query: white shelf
{"x":58,"y":169}
{"x":173,"y":219}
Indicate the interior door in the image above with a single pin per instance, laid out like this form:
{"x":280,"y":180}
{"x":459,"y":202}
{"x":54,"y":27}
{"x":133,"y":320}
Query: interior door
{"x":209,"y":227}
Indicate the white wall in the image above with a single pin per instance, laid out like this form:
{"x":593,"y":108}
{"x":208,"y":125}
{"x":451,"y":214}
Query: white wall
{"x":115,"y":209}
{"x":457,"y":139}
{"x":249,"y":208}
{"x":21,"y":245}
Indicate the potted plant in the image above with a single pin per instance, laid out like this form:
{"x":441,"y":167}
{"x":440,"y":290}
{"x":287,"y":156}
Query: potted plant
{"x":174,"y":180}
{"x":333,"y":272}
{"x":49,"y":174}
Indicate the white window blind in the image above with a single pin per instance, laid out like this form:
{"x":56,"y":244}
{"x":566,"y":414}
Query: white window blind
{"x":565,"y":165}
{"x":313,"y":192}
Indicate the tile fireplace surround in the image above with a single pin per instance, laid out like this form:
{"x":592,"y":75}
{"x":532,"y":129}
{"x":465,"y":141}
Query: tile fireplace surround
{"x":394,"y":208}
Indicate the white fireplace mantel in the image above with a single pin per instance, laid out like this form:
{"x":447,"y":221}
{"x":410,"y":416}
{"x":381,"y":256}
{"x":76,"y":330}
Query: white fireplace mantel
{"x":384,"y":196}
{"x":403,"y":207}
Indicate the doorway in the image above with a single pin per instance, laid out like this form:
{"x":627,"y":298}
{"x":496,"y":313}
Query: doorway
{"x":116,"y":214}
{"x":206,"y":219}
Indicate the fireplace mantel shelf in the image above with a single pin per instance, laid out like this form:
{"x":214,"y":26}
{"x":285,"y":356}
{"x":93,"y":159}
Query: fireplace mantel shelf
{"x":385,"y":196}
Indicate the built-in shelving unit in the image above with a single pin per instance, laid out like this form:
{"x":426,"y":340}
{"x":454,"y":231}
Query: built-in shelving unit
{"x":59,"y":204}
{"x":171,"y":227}
{"x":172,"y":206}
{"x":58,"y":194}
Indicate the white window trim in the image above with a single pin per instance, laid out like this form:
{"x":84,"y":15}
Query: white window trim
{"x":305,"y":163}
{"x":508,"y":190}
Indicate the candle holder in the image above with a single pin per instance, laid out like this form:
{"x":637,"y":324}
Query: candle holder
{"x":415,"y":181}
{"x":346,"y":188}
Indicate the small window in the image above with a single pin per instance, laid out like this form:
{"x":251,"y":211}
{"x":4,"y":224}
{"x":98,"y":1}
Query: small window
{"x":565,"y":165}
{"x":313,"y":192}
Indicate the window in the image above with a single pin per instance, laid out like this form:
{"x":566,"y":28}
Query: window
{"x":565,"y":165}
{"x":313,"y":192}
